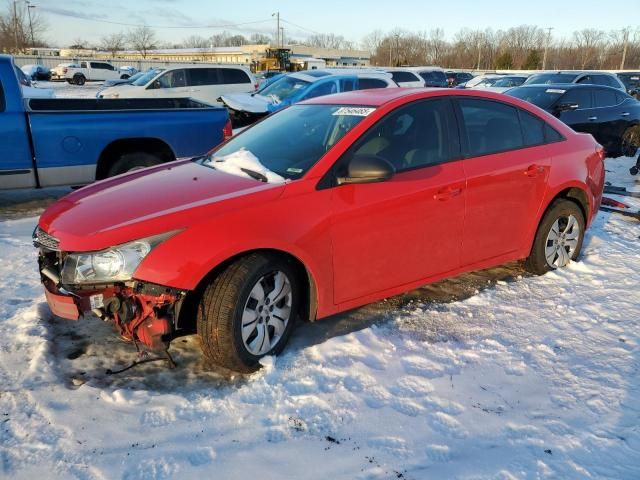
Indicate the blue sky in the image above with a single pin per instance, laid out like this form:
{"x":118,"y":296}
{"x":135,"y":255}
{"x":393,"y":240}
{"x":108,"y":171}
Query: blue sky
{"x":350,"y":18}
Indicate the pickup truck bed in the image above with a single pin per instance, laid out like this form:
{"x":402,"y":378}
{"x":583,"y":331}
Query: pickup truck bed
{"x":77,"y":141}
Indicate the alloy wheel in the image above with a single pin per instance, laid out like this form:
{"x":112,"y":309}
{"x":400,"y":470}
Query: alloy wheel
{"x":266,"y":313}
{"x":562,"y":241}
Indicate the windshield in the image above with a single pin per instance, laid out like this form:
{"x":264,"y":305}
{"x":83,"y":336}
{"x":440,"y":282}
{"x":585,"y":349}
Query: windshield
{"x":289,"y":142}
{"x":284,"y":87}
{"x":541,"y":96}
{"x":146,"y":77}
{"x":548,"y":78}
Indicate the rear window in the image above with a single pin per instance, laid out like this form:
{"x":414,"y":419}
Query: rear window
{"x":548,"y":78}
{"x":403,"y":77}
{"x":434,"y":78}
{"x":233,"y":76}
{"x":603,"y":97}
{"x":203,"y":76}
{"x":367,"y":83}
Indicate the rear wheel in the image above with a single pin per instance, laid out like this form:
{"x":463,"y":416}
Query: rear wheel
{"x":248,"y":311}
{"x":558,"y":239}
{"x":79,"y":80}
{"x":130,"y":162}
{"x":124,"y":76}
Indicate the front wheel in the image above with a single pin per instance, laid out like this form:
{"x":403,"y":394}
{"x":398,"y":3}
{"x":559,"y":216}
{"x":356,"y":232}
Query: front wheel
{"x":558,"y":239}
{"x":248,"y":311}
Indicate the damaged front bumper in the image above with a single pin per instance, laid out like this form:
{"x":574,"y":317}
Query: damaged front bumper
{"x":141,"y":312}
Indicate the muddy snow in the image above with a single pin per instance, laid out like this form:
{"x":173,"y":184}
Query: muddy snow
{"x":491,"y":375}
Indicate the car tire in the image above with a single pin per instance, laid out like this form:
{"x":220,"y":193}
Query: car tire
{"x":130,"y":162}
{"x":124,"y":77}
{"x":79,"y":80}
{"x":558,"y":239}
{"x":246,"y":289}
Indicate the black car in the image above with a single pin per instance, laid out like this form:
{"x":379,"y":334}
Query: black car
{"x":611,"y":116}
{"x":631,"y":81}
{"x":456,"y":78}
{"x":578,"y":77}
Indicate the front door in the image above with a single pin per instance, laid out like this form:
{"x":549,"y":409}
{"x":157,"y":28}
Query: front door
{"x":389,"y":234}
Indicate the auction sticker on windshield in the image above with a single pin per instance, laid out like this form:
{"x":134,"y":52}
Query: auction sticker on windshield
{"x":554,"y":90}
{"x":354,"y":111}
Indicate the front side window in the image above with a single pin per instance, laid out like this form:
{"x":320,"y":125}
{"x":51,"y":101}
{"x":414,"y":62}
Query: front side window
{"x":491,"y":126}
{"x":577,"y":96}
{"x":83,"y":64}
{"x":291,"y":141}
{"x":173,"y":79}
{"x":414,"y":136}
{"x":325,"y":88}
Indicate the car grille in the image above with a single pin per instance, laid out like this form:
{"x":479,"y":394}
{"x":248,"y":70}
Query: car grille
{"x":43,"y":239}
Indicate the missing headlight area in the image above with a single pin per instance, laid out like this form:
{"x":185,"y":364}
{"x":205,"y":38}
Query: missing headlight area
{"x":141,"y":312}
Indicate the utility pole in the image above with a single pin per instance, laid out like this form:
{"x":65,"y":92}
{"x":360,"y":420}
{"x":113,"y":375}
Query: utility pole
{"x":29,"y":7}
{"x":282,"y":36}
{"x":15,"y":25}
{"x":624,"y":48}
{"x":479,"y":54}
{"x":546,"y":48}
{"x":277,"y":15}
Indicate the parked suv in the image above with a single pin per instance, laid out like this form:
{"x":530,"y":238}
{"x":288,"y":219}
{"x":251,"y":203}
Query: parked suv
{"x":205,"y":83}
{"x":91,"y":71}
{"x":594,"y":78}
{"x":432,"y":76}
{"x":406,"y":78}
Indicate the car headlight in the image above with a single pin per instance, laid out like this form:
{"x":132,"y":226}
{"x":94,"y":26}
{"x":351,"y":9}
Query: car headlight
{"x":114,"y":264}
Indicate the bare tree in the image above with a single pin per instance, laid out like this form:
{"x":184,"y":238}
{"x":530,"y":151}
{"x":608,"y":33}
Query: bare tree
{"x":195,"y":41}
{"x":16,"y":32}
{"x":588,"y":42}
{"x":113,"y":43}
{"x":260,"y":39}
{"x":142,"y":39}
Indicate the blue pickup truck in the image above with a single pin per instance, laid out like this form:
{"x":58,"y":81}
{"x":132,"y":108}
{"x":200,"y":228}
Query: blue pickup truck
{"x":47,"y":142}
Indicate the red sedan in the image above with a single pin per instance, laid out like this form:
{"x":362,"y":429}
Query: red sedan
{"x":325,"y":206}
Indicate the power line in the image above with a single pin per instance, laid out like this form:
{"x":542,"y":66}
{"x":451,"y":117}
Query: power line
{"x":99,"y":20}
{"x":300,"y":26}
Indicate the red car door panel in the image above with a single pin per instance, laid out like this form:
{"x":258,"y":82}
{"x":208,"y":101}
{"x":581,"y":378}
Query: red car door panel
{"x":395,"y":232}
{"x":506,"y":178}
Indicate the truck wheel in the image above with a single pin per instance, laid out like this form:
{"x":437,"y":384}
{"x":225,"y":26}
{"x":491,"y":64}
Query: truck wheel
{"x":248,"y":312}
{"x":558,"y":239}
{"x":129,"y":162}
{"x":79,"y":79}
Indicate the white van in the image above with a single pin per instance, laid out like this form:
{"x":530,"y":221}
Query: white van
{"x":205,"y":83}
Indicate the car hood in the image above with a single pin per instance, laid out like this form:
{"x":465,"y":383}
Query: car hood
{"x":148,"y":202}
{"x":249,"y":102}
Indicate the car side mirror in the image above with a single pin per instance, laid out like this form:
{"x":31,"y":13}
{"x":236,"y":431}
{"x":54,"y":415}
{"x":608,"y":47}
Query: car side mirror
{"x":367,"y":169}
{"x":633,"y":92}
{"x":564,"y":107}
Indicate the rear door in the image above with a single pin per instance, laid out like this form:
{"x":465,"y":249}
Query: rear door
{"x":389,"y":234}
{"x":583,"y":118}
{"x":507,"y":166}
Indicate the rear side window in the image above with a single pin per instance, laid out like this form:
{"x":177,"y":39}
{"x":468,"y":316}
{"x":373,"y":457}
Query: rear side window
{"x":604,"y":97}
{"x":404,"y":77}
{"x":578,"y":96}
{"x":326,"y":88}
{"x":532,"y":129}
{"x":418,"y":135}
{"x":551,"y":135}
{"x":203,"y":76}
{"x":233,"y":76}
{"x":491,"y":126}
{"x":347,"y":84}
{"x":367,"y":83}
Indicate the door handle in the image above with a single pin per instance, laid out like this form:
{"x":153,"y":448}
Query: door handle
{"x":447,"y":193}
{"x":534,"y":170}
{"x":624,"y":114}
{"x":592,"y":118}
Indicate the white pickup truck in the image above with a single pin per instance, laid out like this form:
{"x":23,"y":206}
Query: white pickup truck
{"x":92,"y":71}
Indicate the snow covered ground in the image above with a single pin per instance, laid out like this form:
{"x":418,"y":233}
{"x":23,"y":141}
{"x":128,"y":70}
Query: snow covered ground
{"x":492,"y":375}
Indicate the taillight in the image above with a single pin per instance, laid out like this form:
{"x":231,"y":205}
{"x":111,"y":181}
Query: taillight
{"x":64,"y":70}
{"x":600,"y":151}
{"x":227,"y":131}
{"x":256,"y":85}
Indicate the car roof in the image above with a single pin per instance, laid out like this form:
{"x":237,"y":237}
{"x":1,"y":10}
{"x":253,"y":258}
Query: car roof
{"x":426,"y":68}
{"x":340,"y":74}
{"x":568,"y":86}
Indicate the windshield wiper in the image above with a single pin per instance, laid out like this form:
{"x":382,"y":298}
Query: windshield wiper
{"x":256,"y":175}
